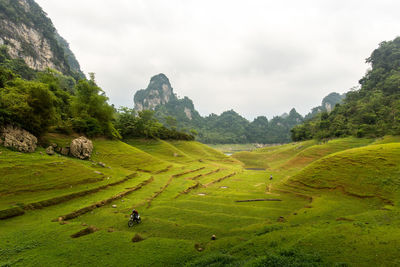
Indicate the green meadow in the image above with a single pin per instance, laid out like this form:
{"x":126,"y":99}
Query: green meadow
{"x":332,"y":203}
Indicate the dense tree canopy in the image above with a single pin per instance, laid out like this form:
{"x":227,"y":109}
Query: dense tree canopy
{"x":51,"y":101}
{"x":373,"y":110}
{"x":144,"y":124}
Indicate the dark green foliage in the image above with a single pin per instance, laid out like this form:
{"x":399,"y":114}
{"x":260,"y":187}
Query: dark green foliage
{"x":11,"y":212}
{"x":371,"y":111}
{"x":29,"y":104}
{"x":145,"y":125}
{"x":91,"y":113}
{"x":54,"y":101}
{"x":229,"y":127}
{"x":290,"y":258}
{"x":215,"y":259}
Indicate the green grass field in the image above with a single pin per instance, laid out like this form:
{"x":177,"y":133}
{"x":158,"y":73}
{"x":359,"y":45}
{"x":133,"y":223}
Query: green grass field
{"x":328,"y":204}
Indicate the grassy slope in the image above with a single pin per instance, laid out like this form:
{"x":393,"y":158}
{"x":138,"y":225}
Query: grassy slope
{"x":367,"y":171}
{"x":340,"y":227}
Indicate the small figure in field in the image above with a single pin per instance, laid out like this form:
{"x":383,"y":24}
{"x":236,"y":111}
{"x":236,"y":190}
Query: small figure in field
{"x":135,"y":213}
{"x":270,"y":178}
{"x":135,"y":217}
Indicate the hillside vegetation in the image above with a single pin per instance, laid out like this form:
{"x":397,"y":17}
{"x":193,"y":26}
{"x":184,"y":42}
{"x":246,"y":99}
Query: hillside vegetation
{"x":372,"y":110}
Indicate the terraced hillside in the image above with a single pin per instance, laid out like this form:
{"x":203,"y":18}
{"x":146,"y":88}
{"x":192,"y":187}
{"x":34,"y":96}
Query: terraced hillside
{"x":331,"y":203}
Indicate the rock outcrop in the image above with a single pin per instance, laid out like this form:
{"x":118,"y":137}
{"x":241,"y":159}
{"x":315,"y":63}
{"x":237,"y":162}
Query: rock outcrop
{"x":159,"y":95}
{"x":158,"y":92}
{"x":29,"y":34}
{"x":64,"y":151}
{"x":18,"y":139}
{"x":50,"y":151}
{"x":81,"y":148}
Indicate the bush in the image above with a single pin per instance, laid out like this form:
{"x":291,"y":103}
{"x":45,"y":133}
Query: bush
{"x":289,"y":258}
{"x":216,"y":259}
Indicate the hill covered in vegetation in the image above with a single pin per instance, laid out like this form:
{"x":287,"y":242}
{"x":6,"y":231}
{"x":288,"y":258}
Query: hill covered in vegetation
{"x":373,"y":110}
{"x":29,"y":34}
{"x":43,"y":90}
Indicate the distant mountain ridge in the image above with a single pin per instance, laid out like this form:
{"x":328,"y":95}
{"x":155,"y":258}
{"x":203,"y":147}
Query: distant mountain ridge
{"x":29,"y":34}
{"x":228,"y":127}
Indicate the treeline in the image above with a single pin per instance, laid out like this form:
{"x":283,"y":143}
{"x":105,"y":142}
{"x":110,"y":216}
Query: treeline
{"x":43,"y":101}
{"x":229,"y":127}
{"x":144,"y":124}
{"x":371,"y":111}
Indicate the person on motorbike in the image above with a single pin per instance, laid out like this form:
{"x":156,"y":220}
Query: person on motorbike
{"x":135,"y":213}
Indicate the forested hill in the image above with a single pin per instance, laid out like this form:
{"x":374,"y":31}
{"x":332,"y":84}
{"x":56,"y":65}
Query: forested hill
{"x":371,"y":111}
{"x":43,"y":90}
{"x":228,"y":127}
{"x":29,"y":34}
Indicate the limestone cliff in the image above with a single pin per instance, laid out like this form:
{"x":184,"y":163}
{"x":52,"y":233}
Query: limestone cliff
{"x":328,"y":103}
{"x":160,"y":97}
{"x":158,"y":92}
{"x":29,"y":34}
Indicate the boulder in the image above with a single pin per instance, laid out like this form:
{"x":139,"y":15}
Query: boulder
{"x":18,"y":139}
{"x":81,"y":148}
{"x":50,"y":150}
{"x":281,"y":219}
{"x":64,"y":151}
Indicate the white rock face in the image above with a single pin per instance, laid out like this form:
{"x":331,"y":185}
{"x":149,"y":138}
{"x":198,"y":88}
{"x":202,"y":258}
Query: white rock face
{"x":18,"y":139}
{"x":167,"y":93}
{"x":42,"y":56}
{"x":138,"y":106}
{"x":41,"y":46}
{"x":81,"y":148}
{"x":188,"y":113}
{"x":158,"y":92}
{"x":328,"y":107}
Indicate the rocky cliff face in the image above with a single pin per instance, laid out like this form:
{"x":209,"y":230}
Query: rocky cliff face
{"x":158,"y":92}
{"x":29,"y":34}
{"x":159,"y":96}
{"x":328,"y":104}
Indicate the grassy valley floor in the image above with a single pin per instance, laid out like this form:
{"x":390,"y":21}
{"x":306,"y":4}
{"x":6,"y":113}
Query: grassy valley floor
{"x":328,"y":204}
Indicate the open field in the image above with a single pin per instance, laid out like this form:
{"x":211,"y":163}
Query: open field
{"x":328,"y":204}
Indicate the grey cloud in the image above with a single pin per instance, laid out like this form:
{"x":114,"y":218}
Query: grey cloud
{"x":257,"y":57}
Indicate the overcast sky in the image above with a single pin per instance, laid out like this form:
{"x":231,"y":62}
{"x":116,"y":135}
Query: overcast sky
{"x":256,"y":57}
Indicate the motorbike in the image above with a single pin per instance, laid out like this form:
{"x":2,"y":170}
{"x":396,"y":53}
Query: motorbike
{"x":134,"y":219}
